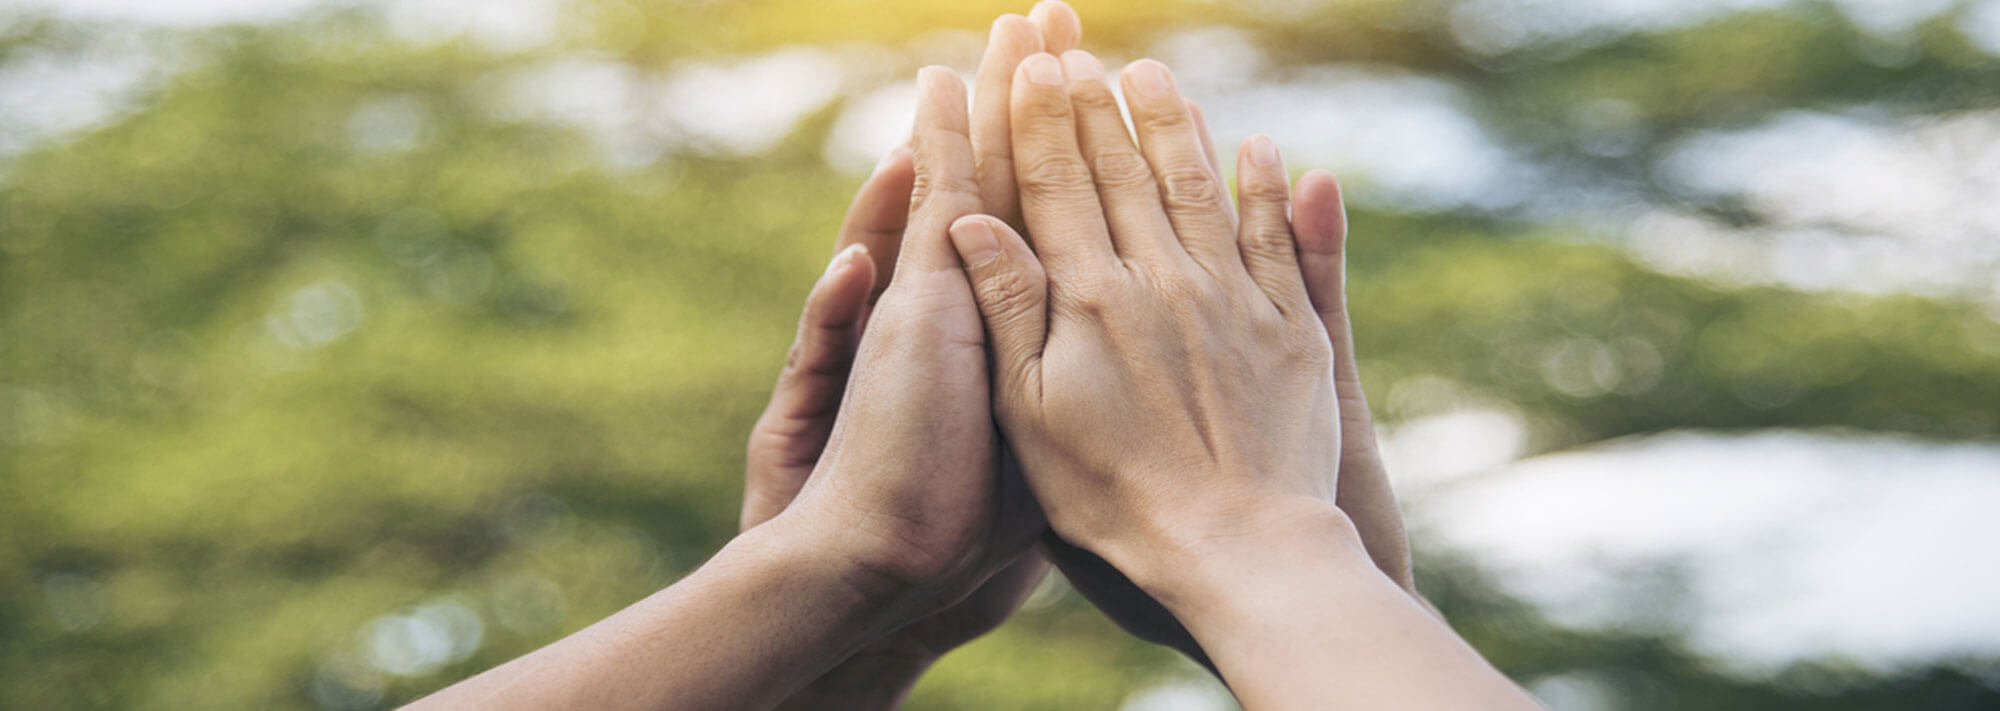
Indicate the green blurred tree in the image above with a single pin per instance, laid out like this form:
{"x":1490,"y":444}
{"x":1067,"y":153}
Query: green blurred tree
{"x":326,"y":382}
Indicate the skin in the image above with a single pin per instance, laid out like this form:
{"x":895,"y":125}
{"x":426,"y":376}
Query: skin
{"x":901,"y":517}
{"x":787,"y":440}
{"x":1167,"y":381}
{"x":789,"y":437}
{"x":851,"y":578}
{"x":1360,"y":483}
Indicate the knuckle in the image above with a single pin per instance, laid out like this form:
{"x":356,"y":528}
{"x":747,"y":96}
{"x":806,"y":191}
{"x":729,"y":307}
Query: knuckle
{"x":931,"y":186}
{"x":1121,"y":169}
{"x":1055,"y":173}
{"x":1092,"y":99}
{"x":1167,"y":121}
{"x":1189,"y":186}
{"x":1010,"y":295}
{"x":1179,"y":289}
{"x":1044,"y":112}
{"x":1084,"y":297}
{"x":1264,"y":192}
{"x":1268,"y":243}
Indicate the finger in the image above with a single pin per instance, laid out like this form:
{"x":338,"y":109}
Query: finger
{"x":1012,"y":291}
{"x":1264,"y":192}
{"x":1319,"y":221}
{"x":788,"y":438}
{"x":880,"y":211}
{"x":1058,"y":199}
{"x":1012,"y":39}
{"x":1061,"y":29}
{"x":816,"y":369}
{"x":944,"y":188}
{"x":1208,"y":148}
{"x":1194,"y":199}
{"x":1132,"y":209}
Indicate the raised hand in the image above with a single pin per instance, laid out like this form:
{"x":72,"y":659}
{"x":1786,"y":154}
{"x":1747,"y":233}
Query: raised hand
{"x":905,"y":514}
{"x":1168,"y":372}
{"x":1165,"y":379}
{"x":788,"y":439}
{"x":910,"y":471}
{"x":1360,"y":482}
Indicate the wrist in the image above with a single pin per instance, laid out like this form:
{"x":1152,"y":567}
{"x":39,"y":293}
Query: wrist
{"x":797,"y":552}
{"x":850,"y":560}
{"x":1204,"y":561}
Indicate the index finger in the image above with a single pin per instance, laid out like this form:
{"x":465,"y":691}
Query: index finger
{"x":945,"y":187}
{"x":1013,"y":39}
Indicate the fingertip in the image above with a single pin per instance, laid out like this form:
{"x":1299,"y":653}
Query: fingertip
{"x":898,"y":157}
{"x":936,"y":78}
{"x":1317,"y":212}
{"x":1060,"y":26}
{"x":1082,"y":66}
{"x":843,"y":260}
{"x":1148,"y":78}
{"x":899,"y":163}
{"x":976,"y":241}
{"x":1015,"y":32}
{"x":1041,"y":68}
{"x":851,"y":264}
{"x":1262,"y":153}
{"x":1011,"y":20}
{"x":843,"y":290}
{"x":943,"y":99}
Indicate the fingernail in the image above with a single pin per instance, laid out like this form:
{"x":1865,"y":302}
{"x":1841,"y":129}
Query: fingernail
{"x":1263,"y":153}
{"x":931,"y":77}
{"x":1042,"y":69}
{"x":846,"y":257}
{"x":1079,"y":64}
{"x":1150,"y":78}
{"x":1002,"y":25}
{"x":976,"y":242}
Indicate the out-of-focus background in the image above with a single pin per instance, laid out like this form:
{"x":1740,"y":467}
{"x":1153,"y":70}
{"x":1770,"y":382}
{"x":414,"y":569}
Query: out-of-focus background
{"x":351,"y":348}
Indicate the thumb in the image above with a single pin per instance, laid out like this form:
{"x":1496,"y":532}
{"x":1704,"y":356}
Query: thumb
{"x":1012,"y":291}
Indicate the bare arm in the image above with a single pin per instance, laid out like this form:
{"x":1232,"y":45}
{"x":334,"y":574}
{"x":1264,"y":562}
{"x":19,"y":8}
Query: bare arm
{"x":1297,"y":616}
{"x":774,"y":609}
{"x":905,"y":512}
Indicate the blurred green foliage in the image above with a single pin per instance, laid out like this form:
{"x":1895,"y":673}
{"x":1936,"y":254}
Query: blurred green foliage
{"x":270,"y":395}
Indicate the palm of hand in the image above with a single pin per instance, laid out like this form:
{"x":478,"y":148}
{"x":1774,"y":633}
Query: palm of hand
{"x":967,"y":516}
{"x":964,"y":512}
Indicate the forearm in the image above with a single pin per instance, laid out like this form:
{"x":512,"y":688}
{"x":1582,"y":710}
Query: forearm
{"x":761,"y":619}
{"x":1295,"y":615}
{"x":865,"y":682}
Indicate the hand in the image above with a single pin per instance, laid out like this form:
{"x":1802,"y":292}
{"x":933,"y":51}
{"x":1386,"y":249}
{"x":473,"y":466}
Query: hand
{"x":1319,"y":228}
{"x":908,"y":484}
{"x":1163,"y":376}
{"x":1362,"y":480}
{"x":787,"y":441}
{"x":905,"y":510}
{"x":1167,"y":375}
